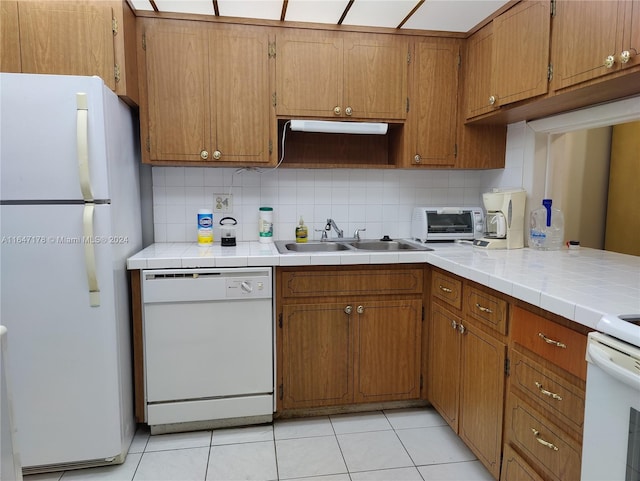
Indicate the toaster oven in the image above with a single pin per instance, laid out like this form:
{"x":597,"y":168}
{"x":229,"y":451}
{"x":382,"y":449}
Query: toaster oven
{"x":431,"y":224}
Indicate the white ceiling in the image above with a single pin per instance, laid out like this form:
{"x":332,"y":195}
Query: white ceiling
{"x":444,"y":15}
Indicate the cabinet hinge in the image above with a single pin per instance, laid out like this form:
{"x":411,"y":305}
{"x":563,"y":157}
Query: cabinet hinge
{"x":274,"y":99}
{"x":116,"y":72}
{"x":114,"y":26}
{"x":144,"y":41}
{"x":407,"y":104}
{"x":270,"y":147}
{"x":553,"y":8}
{"x":421,"y":381}
{"x":550,"y":72}
{"x":507,"y":366}
{"x":455,"y":151}
{"x":280,"y":315}
{"x":459,"y":60}
{"x":280,"y":392}
{"x":272,"y":50}
{"x":148,"y":144}
{"x":408,"y":57}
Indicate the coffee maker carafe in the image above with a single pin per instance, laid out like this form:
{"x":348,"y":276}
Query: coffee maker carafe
{"x":504,"y":222}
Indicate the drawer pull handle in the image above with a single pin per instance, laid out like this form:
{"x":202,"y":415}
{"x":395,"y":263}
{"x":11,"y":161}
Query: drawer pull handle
{"x":484,"y":309}
{"x":536,"y":433}
{"x":445,"y":289}
{"x":551,"y":341}
{"x":548,"y":393}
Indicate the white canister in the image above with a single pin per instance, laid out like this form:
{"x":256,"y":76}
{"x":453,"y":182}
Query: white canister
{"x":265,"y":225}
{"x":205,"y":227}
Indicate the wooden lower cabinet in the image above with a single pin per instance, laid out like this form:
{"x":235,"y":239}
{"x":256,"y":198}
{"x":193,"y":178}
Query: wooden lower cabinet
{"x":360,"y":344}
{"x":466,"y":377}
{"x":544,"y":417}
{"x":387,"y":350}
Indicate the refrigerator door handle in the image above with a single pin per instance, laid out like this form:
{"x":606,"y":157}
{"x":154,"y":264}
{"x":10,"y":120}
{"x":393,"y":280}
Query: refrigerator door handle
{"x":90,"y":255}
{"x":82,"y":134}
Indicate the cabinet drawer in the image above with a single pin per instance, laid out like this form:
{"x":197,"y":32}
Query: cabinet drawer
{"x":447,"y":288}
{"x":560,"y":345}
{"x":548,"y":449}
{"x":487,"y":309}
{"x":369,"y":282}
{"x":554,"y":393}
{"x":514,"y":468}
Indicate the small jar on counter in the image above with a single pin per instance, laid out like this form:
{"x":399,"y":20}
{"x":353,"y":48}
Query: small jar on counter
{"x":265,"y":225}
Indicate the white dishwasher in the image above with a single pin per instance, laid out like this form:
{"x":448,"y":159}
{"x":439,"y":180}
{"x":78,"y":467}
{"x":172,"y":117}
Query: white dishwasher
{"x":208,"y":347}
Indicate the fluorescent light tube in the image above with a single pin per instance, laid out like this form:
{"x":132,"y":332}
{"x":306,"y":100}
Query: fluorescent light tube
{"x":338,"y":127}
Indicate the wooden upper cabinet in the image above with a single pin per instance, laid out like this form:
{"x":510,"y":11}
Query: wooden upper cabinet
{"x":308,"y":73}
{"x":521,"y":51}
{"x":207,"y":88}
{"x":478,"y":73}
{"x":589,"y":40}
{"x":75,"y":38}
{"x":10,"y":38}
{"x":507,"y":60}
{"x":433,"y":102}
{"x":335,"y":75}
{"x":375,"y":76}
{"x":69,"y":38}
{"x":177,"y":68}
{"x":240,"y":97}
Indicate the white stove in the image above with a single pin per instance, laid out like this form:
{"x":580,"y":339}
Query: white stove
{"x":611,"y":441}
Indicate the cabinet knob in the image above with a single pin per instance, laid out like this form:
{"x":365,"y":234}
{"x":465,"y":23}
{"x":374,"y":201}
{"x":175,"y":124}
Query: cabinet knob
{"x":454,"y":325}
{"x":417,"y":159}
{"x":348,"y":111}
{"x":609,"y":61}
{"x":204,"y":155}
{"x":492,"y":100}
{"x":337,"y":110}
{"x":348,"y":309}
{"x":625,"y":56}
{"x":217,"y":154}
{"x":461,"y":328}
{"x":360,"y":309}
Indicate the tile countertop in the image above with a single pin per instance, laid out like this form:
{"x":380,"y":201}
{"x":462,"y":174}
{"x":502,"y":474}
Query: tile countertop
{"x":580,"y":285}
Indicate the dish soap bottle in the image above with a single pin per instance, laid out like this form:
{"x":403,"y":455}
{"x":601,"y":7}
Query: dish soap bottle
{"x":301,"y":232}
{"x":547,"y":228}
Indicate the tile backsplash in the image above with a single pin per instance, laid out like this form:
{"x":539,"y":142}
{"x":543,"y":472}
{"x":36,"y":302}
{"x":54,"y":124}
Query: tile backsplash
{"x":380,"y":201}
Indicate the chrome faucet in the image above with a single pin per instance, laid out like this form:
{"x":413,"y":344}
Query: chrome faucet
{"x":356,"y":233}
{"x":331,"y":224}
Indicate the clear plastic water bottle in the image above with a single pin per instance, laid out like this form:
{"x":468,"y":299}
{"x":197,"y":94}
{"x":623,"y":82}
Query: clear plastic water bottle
{"x":546,"y":228}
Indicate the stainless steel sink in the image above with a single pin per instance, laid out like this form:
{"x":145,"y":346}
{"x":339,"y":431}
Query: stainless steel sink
{"x":393,"y":245}
{"x":285,"y":247}
{"x":289,"y":247}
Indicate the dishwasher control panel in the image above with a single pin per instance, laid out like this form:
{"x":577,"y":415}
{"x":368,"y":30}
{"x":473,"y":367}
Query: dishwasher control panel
{"x":205,"y":284}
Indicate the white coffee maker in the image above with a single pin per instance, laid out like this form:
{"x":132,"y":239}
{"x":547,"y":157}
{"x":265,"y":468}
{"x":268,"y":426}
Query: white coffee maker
{"x":504,"y":222}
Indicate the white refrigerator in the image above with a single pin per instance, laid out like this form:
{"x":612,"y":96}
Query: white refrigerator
{"x":69,"y":218}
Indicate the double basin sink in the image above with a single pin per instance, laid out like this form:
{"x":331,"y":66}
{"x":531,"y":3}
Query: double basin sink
{"x":290,"y":247}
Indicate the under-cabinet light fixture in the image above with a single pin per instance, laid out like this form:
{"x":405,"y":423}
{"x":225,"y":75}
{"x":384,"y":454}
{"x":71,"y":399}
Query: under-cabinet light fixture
{"x":337,"y":127}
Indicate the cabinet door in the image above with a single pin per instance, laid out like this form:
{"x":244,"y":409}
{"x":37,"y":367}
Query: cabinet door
{"x":521,"y":44}
{"x":375,"y":76}
{"x":177,"y":66}
{"x":584,"y":35}
{"x":9,"y":33}
{"x":240,"y":94}
{"x":309,"y":73}
{"x":479,"y":72}
{"x":631,"y":32}
{"x":433,"y":102}
{"x":444,"y":364}
{"x":68,"y":38}
{"x":317,"y":356}
{"x":482,"y":381}
{"x":387,"y":350}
